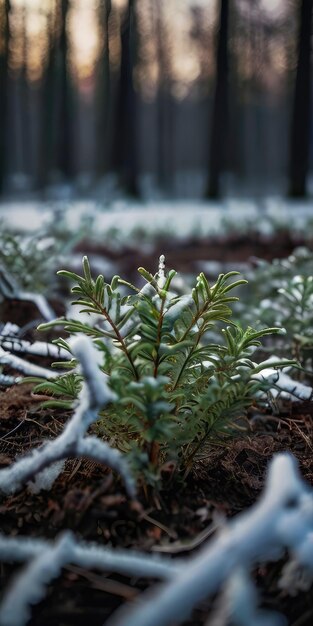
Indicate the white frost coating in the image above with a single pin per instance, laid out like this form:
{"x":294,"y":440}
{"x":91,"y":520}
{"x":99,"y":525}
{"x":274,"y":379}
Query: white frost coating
{"x":175,"y":311}
{"x":47,"y":559}
{"x":9,"y":329}
{"x":7,"y":381}
{"x":39,"y":348}
{"x":46,"y":478}
{"x":99,"y":451}
{"x":125,"y":562}
{"x":285,"y":386}
{"x":41,"y":303}
{"x":304,"y":552}
{"x":129,"y":321}
{"x":147,"y":290}
{"x":161,"y":273}
{"x":295,"y":578}
{"x":92,"y":556}
{"x":282,"y":518}
{"x":97,"y":382}
{"x":127,"y":328}
{"x":20,"y":549}
{"x":29,"y":586}
{"x":23,"y":366}
{"x":241,"y":603}
{"x":95,"y":394}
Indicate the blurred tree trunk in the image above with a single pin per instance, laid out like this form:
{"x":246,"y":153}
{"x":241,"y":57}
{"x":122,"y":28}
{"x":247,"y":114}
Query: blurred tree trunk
{"x":24,"y":104}
{"x":47,"y":121}
{"x":218,"y":160}
{"x":301,"y":115}
{"x":125,"y":160}
{"x":64,"y":147}
{"x":165,"y":106}
{"x":103,"y":89}
{"x":4,"y":81}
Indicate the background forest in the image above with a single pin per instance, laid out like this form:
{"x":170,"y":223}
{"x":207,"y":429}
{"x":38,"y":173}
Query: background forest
{"x":158,"y":98}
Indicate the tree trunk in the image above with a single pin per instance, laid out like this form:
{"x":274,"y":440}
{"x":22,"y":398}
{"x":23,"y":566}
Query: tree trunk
{"x":4,"y":81}
{"x":103,"y":89}
{"x":301,"y":122}
{"x":165,"y":106}
{"x":220,"y":122}
{"x":64,"y":147}
{"x":47,"y":121}
{"x":124,"y":139}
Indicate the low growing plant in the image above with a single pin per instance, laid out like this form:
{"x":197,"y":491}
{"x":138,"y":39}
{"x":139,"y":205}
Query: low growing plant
{"x":176,"y":392}
{"x":281,"y":294}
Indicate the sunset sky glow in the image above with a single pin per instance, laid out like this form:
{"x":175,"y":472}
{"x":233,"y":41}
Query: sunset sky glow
{"x":187,"y":57}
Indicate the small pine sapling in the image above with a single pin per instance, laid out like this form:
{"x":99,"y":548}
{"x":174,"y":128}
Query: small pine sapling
{"x":177,"y":389}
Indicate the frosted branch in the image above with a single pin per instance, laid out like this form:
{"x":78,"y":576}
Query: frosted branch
{"x":30,"y":585}
{"x":92,"y":556}
{"x":47,"y":559}
{"x":240,"y":601}
{"x":23,"y":366}
{"x":40,"y":302}
{"x":38,"y":348}
{"x":8,"y":381}
{"x":282,"y":384}
{"x":282,"y":518}
{"x":43,"y":464}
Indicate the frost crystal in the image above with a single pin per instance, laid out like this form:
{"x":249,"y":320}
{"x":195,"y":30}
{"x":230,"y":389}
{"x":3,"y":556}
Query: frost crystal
{"x":161,"y":274}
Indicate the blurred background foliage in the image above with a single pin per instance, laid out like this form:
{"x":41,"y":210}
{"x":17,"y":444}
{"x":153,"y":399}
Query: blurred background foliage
{"x":156,"y":98}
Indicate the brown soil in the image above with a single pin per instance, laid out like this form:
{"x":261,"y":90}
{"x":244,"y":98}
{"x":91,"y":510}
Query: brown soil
{"x":184,"y":255}
{"x":89,"y":500}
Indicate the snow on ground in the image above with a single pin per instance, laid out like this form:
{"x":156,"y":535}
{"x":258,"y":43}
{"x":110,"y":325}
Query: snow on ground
{"x":177,"y":218}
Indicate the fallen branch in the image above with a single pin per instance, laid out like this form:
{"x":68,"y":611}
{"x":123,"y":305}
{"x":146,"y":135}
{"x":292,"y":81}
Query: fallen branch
{"x":43,"y":464}
{"x":6,"y":358}
{"x":48,"y":558}
{"x":281,"y":519}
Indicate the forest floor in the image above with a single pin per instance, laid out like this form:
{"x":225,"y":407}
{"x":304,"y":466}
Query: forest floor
{"x":91,"y":502}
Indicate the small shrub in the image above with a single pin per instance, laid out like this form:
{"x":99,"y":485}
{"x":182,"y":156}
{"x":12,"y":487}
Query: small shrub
{"x":177,"y":391}
{"x":281,"y":294}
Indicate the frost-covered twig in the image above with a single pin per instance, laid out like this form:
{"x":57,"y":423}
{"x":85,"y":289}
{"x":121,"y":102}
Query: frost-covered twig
{"x":281,"y":384}
{"x":8,"y":381}
{"x":47,"y":558}
{"x":40,"y":302}
{"x":10,"y":290}
{"x":95,"y":394}
{"x":38,"y":348}
{"x":240,"y":601}
{"x":30,"y":585}
{"x":23,"y":366}
{"x":282,"y":518}
{"x":92,"y":556}
{"x":295,"y":577}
